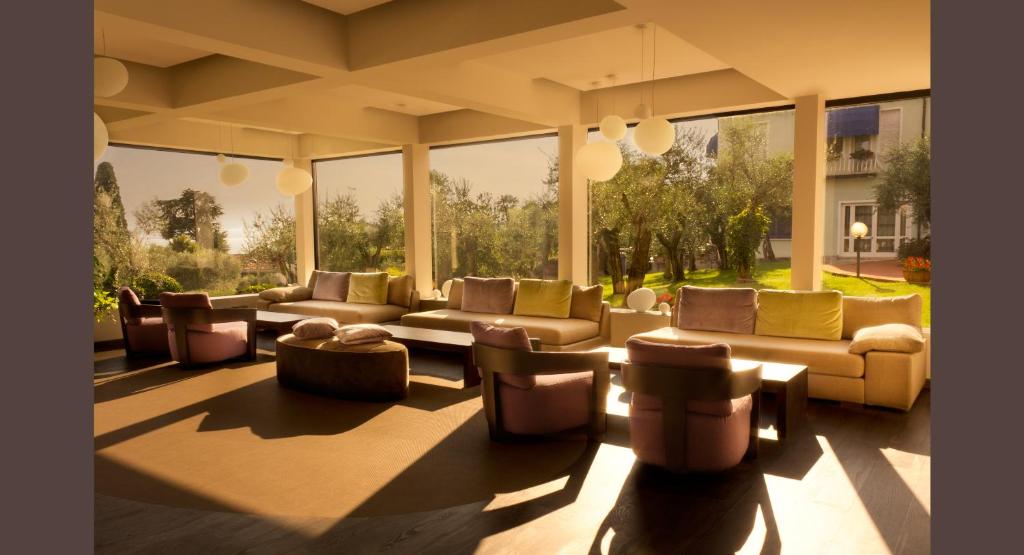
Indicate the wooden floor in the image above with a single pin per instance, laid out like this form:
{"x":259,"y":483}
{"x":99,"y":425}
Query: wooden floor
{"x":854,"y":480}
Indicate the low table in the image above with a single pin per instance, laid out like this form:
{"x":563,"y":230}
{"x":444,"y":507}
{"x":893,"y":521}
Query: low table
{"x":280,"y":322}
{"x":440,"y":340}
{"x":788,"y":382}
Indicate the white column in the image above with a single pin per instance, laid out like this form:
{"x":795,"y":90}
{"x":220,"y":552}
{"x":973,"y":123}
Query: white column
{"x":418,"y":260}
{"x":808,"y":193}
{"x":573,"y":246}
{"x":305,"y":255}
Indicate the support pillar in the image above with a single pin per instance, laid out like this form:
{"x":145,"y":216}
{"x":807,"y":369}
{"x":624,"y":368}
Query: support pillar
{"x":305,"y":253}
{"x":573,"y":232}
{"x":419,"y":261}
{"x":808,"y":193}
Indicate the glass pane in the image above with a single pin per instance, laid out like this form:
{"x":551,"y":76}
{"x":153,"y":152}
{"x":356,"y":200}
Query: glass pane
{"x":495,"y":209}
{"x":846,"y":221}
{"x":164,"y":222}
{"x":886,"y":223}
{"x":863,"y":214}
{"x":360,"y":221}
{"x":885,"y":245}
{"x":846,"y":245}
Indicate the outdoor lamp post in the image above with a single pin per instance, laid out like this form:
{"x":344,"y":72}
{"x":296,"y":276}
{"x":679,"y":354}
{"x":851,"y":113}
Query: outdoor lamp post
{"x":858,"y":230}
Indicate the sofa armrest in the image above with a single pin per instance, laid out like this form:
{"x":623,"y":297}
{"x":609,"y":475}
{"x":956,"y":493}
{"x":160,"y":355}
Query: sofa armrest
{"x":605,"y":324}
{"x":414,"y":301}
{"x":893,"y":379}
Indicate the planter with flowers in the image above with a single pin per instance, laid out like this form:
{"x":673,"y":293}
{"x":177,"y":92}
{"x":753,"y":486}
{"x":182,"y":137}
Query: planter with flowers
{"x":917,"y":269}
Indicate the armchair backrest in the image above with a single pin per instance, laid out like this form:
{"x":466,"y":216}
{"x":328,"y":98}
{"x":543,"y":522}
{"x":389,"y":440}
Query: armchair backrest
{"x":127,"y":305}
{"x":176,"y":301}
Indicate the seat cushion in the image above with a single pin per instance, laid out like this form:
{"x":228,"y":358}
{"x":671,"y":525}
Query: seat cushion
{"x":344,"y":313}
{"x":556,"y":403}
{"x":550,"y":331}
{"x":821,"y":357}
{"x":728,"y":309}
{"x":148,"y":335}
{"x":713,"y":441}
{"x":800,"y":314}
{"x":227,"y":340}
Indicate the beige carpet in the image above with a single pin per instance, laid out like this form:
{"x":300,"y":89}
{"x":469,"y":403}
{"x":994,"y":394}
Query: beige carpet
{"x":232,"y":439}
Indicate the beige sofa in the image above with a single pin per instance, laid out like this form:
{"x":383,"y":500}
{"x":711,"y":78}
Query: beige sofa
{"x":555,"y":334}
{"x":402,"y":298}
{"x":887,"y":379}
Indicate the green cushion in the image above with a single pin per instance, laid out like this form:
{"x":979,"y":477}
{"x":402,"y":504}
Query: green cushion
{"x":370,"y":288}
{"x":803,"y":314}
{"x":544,"y":297}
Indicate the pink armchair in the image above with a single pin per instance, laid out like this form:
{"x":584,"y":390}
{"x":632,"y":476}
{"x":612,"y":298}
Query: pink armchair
{"x":200,"y":334}
{"x":142,"y":326}
{"x":534,"y":393}
{"x":691,"y":409}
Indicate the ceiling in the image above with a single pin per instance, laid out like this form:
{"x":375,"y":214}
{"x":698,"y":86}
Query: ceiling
{"x":346,"y":7}
{"x":620,"y":53}
{"x":339,"y":73}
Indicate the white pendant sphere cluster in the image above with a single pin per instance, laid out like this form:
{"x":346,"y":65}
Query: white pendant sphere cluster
{"x":613,"y":128}
{"x":232,"y":174}
{"x":109,"y":76}
{"x":599,"y":161}
{"x":100,"y":138}
{"x":293,"y":181}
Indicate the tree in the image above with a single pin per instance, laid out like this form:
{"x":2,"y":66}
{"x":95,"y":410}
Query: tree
{"x":906,"y":179}
{"x":116,"y":253}
{"x":744,"y":232}
{"x":270,"y":241}
{"x":194,"y":214}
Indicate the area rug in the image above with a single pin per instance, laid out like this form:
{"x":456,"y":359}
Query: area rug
{"x":231,"y":439}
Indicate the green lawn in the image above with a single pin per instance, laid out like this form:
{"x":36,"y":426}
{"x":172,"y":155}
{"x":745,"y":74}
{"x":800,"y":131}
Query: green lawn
{"x":776,"y":275}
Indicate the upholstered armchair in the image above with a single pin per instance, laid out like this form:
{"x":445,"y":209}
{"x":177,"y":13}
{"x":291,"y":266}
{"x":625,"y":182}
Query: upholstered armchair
{"x":526,"y":392}
{"x":142,"y":326}
{"x":692,"y":409}
{"x":200,"y":334}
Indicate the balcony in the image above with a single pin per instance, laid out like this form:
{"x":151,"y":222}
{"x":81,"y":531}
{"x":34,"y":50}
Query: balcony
{"x":845,"y":165}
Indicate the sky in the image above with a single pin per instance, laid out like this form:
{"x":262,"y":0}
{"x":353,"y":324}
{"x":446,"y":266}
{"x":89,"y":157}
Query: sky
{"x":145,"y":174}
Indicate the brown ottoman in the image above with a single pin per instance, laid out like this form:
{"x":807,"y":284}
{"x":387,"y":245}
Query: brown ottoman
{"x":371,"y":372}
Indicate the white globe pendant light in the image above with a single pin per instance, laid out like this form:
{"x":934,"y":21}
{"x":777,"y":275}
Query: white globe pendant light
{"x":293,"y":181}
{"x":599,"y":161}
{"x":654,"y":136}
{"x":613,"y":127}
{"x":100,"y":138}
{"x":232,"y":174}
{"x":109,"y":76}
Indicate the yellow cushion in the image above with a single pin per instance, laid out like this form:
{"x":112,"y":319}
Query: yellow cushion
{"x":803,"y":314}
{"x":544,"y":297}
{"x":370,"y":288}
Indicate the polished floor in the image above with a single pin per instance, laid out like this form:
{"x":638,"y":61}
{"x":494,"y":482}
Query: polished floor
{"x":222,"y":460}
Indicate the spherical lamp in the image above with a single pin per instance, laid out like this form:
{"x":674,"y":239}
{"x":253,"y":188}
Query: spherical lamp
{"x":642,"y":299}
{"x":109,"y":76}
{"x":599,"y":161}
{"x":232,"y":174}
{"x":293,"y":181}
{"x":654,"y":136}
{"x":100,"y":138}
{"x":613,"y":127}
{"x":858,"y":230}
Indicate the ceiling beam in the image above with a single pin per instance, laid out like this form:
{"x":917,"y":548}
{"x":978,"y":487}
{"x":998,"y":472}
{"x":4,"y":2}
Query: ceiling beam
{"x":469,"y":125}
{"x":206,"y":137}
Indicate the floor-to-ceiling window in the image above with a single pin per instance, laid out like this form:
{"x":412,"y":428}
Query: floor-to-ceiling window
{"x":495,"y":208}
{"x":714,"y":210}
{"x":164,"y":222}
{"x":360,"y":220}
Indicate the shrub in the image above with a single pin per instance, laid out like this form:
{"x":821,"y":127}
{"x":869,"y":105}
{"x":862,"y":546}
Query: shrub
{"x":921,"y":247}
{"x":150,"y":284}
{"x":103,"y":303}
{"x":255,"y":288}
{"x":743,"y":237}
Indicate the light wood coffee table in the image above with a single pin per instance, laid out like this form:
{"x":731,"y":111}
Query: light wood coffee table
{"x":788,"y":382}
{"x":440,"y":340}
{"x":280,"y":322}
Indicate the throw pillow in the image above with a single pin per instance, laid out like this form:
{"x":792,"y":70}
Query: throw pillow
{"x":368,"y":288}
{"x":315,"y":328}
{"x":894,"y":338}
{"x":515,"y":339}
{"x":587,"y":302}
{"x":727,"y":309}
{"x":548,"y":298}
{"x":488,"y":295}
{"x":400,"y":290}
{"x":358,"y":334}
{"x":800,"y":314}
{"x":862,"y":312}
{"x":288,"y":294}
{"x":331,"y":286}
{"x":455,"y":295}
